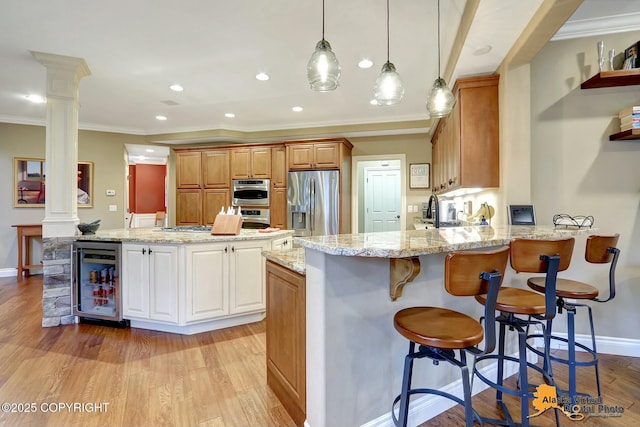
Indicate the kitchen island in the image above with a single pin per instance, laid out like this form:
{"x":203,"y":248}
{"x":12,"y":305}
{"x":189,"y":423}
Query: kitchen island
{"x":355,"y":284}
{"x":191,"y":282}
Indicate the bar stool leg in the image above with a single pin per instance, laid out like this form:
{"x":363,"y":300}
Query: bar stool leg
{"x":524,"y":380}
{"x":572,"y":353}
{"x":500,"y":375}
{"x":595,"y":352}
{"x":466,"y":388}
{"x":403,"y":411}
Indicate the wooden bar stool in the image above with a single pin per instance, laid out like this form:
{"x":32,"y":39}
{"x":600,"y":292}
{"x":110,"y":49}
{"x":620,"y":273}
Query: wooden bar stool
{"x":439,"y":332}
{"x":530,"y":256}
{"x":598,"y":250}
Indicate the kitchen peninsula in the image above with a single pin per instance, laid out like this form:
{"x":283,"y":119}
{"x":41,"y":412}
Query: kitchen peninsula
{"x":354,"y":357}
{"x":191,"y":282}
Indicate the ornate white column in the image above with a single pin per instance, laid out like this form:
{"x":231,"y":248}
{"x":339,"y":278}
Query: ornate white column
{"x":61,"y":206}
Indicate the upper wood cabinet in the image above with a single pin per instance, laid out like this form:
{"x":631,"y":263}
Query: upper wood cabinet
{"x":278,"y":167}
{"x":188,"y":169}
{"x":325,"y":154}
{"x":188,"y":206}
{"x":465,"y":145}
{"x":251,"y":163}
{"x":216,"y":169}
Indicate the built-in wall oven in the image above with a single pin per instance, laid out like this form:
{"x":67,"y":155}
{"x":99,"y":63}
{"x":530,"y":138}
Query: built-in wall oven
{"x":251,"y":192}
{"x":255,"y":218}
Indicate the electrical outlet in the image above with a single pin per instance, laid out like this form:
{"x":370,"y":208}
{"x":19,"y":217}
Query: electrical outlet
{"x":468,"y":210}
{"x":113,"y":208}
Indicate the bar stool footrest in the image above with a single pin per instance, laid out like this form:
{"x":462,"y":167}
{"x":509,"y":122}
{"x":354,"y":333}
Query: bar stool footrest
{"x":564,"y":361}
{"x":505,"y":389}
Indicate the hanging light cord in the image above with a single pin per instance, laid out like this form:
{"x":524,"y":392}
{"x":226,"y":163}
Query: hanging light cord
{"x":387,"y":30}
{"x":438,"y":38}
{"x":322,"y":19}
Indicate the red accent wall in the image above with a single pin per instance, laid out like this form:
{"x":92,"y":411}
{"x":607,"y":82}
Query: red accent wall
{"x":146,"y":188}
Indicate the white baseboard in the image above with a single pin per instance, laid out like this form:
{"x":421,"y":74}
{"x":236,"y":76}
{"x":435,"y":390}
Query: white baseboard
{"x":428,"y":406}
{"x":8,"y":272}
{"x":605,"y":345}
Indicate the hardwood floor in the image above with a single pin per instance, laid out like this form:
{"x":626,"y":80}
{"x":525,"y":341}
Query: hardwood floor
{"x":146,"y":378}
{"x":140,"y":378}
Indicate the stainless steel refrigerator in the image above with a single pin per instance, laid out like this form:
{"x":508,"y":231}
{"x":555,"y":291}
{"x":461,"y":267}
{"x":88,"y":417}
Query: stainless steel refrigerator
{"x":313,"y":203}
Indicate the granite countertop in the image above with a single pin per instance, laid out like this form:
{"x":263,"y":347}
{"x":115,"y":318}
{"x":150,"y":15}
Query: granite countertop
{"x":410,"y":243}
{"x":156,"y":235}
{"x":293,"y":259}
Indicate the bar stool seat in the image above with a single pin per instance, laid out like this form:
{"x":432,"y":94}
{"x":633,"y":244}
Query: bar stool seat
{"x":439,"y":332}
{"x":438,"y":327}
{"x":517,"y":301}
{"x":566,"y":288}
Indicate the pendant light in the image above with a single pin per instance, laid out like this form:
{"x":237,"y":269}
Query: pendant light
{"x":388,"y":89}
{"x":440,"y":100}
{"x":323,"y":69}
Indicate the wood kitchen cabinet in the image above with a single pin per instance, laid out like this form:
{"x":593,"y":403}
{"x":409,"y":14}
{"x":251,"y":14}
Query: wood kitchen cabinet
{"x":216,"y":169}
{"x":317,"y":155}
{"x":279,"y":208}
{"x":465,"y":145}
{"x":252,"y":162}
{"x":286,"y":339}
{"x":188,"y":169}
{"x":151,"y":276}
{"x":278,"y":167}
{"x":199,"y":199}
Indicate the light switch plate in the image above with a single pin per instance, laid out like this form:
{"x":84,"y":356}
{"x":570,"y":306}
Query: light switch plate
{"x":111,"y":192}
{"x":113,"y":208}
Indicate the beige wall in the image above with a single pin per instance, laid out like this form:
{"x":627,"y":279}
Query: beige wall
{"x":576,"y":170}
{"x":105,"y":150}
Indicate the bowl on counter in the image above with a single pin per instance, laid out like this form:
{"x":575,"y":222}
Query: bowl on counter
{"x":89,"y":228}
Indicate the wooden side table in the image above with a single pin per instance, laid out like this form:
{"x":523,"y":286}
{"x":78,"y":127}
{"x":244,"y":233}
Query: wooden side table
{"x":26,"y":232}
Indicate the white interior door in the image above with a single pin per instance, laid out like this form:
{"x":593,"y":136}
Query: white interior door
{"x":382,"y":199}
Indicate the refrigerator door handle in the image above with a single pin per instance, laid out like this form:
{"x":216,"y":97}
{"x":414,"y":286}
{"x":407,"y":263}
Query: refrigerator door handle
{"x":312,"y":204}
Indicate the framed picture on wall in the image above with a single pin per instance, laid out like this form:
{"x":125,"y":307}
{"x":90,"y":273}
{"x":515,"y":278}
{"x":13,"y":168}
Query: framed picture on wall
{"x":419,"y":175}
{"x":29,"y":179}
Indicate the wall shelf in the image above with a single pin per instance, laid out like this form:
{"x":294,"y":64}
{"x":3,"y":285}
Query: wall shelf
{"x":613,"y":78}
{"x":625,"y":135}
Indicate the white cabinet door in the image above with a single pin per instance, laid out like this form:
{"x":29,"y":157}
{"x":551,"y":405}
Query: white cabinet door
{"x":163,"y":283}
{"x":135,"y":281}
{"x":207,"y":281}
{"x":281,"y":244}
{"x":248,"y":277}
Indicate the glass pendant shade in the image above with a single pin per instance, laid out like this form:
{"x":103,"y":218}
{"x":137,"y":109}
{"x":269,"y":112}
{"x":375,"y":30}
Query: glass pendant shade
{"x":388,"y":89}
{"x":323,"y":69}
{"x":441,"y":100}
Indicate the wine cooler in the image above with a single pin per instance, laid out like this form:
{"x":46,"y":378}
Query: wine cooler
{"x":96,"y":288}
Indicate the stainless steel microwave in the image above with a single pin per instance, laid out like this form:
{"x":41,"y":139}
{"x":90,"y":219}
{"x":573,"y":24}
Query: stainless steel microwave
{"x":250,"y":192}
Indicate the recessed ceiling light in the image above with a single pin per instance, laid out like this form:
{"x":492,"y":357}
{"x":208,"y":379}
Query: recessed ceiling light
{"x":297,"y":109}
{"x":365,"y":63}
{"x":36,"y":99}
{"x":230,"y":115}
{"x":373,"y":102}
{"x":482,"y":50}
{"x":176,"y":88}
{"x":161,"y":118}
{"x":149,"y":150}
{"x":262,"y":76}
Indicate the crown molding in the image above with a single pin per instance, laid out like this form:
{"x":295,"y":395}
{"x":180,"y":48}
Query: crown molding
{"x":598,"y":26}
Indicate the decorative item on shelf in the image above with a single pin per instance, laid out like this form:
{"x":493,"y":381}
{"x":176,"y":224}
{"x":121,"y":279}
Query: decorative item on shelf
{"x":568,"y":221}
{"x":323,"y":69}
{"x":631,"y":57}
{"x":440,"y":100}
{"x":89,"y":228}
{"x":629,"y":118}
{"x":601,"y":55}
{"x":612,"y":55}
{"x":388,"y":89}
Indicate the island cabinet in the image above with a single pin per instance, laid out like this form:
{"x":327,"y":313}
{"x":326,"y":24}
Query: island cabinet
{"x":254,"y":162}
{"x":224,"y":279}
{"x":465,"y":145}
{"x":151,"y":275}
{"x":286,"y":339}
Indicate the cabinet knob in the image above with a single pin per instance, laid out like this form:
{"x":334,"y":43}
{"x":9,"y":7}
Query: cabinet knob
{"x":144,"y":251}
{"x":451,"y":181}
{"x":233,"y":248}
{"x":225,"y":250}
{"x":150,"y":251}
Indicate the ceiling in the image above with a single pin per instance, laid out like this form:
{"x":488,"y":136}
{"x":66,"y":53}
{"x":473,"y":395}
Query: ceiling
{"x":137,"y":49}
